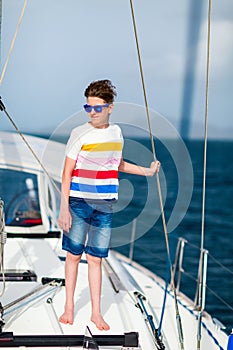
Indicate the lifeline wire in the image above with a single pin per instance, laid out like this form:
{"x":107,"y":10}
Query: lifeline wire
{"x":179,"y":325}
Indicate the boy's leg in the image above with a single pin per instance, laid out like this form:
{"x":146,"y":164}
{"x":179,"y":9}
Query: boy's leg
{"x":71,"y":272}
{"x":96,"y":248}
{"x":73,"y":242}
{"x":95,"y":283}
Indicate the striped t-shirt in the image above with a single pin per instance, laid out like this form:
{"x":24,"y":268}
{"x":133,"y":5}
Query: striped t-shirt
{"x":98,"y":154}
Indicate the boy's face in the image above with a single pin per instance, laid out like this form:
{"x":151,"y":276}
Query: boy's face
{"x":99,"y":119}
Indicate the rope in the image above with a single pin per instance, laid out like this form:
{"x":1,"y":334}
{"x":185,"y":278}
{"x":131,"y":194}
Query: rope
{"x":164,"y":301}
{"x":158,"y":181}
{"x":200,"y":301}
{"x":13,"y":41}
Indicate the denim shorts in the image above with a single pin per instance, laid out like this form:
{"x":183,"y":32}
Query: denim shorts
{"x":91,"y":227}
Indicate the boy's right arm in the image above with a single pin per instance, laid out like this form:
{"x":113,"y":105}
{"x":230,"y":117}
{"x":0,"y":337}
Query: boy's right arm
{"x":65,"y":219}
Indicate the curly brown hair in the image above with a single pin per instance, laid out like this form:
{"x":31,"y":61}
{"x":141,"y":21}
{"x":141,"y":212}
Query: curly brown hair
{"x":103,"y":89}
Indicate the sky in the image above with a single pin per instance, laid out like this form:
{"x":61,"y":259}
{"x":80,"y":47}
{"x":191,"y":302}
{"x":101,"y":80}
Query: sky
{"x":63,"y":45}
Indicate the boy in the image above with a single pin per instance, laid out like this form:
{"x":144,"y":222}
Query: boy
{"x":89,"y":187}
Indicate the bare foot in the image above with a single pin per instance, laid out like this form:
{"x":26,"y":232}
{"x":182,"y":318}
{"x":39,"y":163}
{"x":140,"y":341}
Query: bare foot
{"x":99,"y":322}
{"x":67,"y":317}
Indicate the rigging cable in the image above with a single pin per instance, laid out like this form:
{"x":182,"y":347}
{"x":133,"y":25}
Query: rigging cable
{"x":3,"y":109}
{"x":13,"y":41}
{"x":179,"y":325}
{"x":200,"y":273}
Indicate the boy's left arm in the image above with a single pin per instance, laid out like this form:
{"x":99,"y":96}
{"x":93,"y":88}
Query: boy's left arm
{"x":139,"y":170}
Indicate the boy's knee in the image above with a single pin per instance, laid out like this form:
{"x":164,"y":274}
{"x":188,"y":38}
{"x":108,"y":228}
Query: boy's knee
{"x":73,"y":257}
{"x":93,"y":259}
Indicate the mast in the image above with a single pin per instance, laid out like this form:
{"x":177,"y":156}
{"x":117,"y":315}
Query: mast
{"x":193,"y":34}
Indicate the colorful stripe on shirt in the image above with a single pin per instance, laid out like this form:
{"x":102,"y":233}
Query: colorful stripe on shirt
{"x":91,"y":160}
{"x":93,"y":189}
{"x":92,"y":174}
{"x":100,"y":147}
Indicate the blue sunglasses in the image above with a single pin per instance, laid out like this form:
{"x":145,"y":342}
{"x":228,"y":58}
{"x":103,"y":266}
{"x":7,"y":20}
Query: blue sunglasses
{"x":97,"y":108}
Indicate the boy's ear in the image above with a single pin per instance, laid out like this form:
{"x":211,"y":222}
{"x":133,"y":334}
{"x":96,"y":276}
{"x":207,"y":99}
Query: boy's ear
{"x":111,"y":107}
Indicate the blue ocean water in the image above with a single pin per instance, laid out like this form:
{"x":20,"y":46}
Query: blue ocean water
{"x":150,"y":249}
